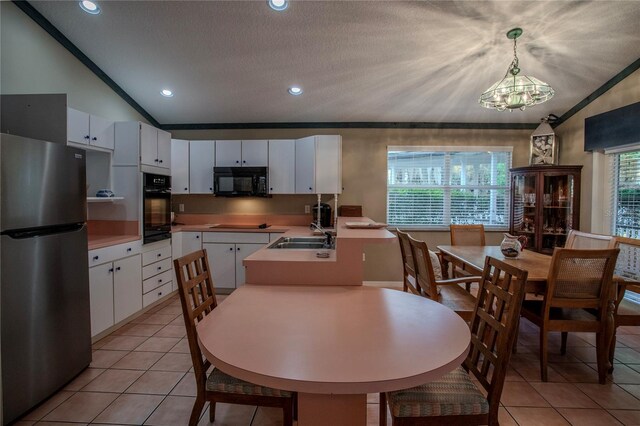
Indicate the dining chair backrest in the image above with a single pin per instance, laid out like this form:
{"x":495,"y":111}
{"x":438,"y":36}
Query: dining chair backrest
{"x":408,"y":266}
{"x":198,"y":298}
{"x":467,"y":235}
{"x":494,"y":325}
{"x":586,"y":240}
{"x":425,"y":277}
{"x":580,"y":279}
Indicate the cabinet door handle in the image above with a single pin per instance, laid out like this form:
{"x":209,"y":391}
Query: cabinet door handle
{"x":210,"y":189}
{"x":237,"y":161}
{"x":310,"y":189}
{"x":118,"y":268}
{"x":159,"y":254}
{"x":110,"y":269}
{"x":270,"y":189}
{"x":244,"y":162}
{"x":238,"y":248}
{"x":197,"y":236}
{"x":96,"y":257}
{"x":159,"y":268}
{"x":186,"y":189}
{"x":87,"y":137}
{"x":129,"y":249}
{"x":94,"y":138}
{"x":230,"y":248}
{"x":161,"y":161}
{"x":156,"y":160}
{"x":159,"y":293}
{"x":159,"y":281}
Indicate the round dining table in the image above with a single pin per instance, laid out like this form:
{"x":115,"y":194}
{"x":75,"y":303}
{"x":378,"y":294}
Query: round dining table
{"x":332,"y":344}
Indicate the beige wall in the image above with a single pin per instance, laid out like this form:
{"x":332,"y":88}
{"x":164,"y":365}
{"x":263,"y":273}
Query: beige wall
{"x":593,"y":202}
{"x":33,"y":62}
{"x":364,"y":165}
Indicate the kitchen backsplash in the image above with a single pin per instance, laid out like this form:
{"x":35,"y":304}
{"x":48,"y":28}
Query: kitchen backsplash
{"x":275,"y":205}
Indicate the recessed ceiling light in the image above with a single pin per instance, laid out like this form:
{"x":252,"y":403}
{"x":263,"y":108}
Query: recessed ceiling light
{"x":278,"y":5}
{"x":295,"y":90}
{"x":89,"y":7}
{"x":166,"y":93}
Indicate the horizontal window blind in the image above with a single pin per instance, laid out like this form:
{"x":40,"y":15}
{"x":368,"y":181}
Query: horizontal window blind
{"x":433,"y":189}
{"x":626,"y":213}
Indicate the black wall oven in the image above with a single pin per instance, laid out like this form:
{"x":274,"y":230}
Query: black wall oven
{"x":156,"y":207}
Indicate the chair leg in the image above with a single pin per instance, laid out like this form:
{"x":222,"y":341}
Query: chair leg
{"x":383,"y":409}
{"x":543,"y":354}
{"x":212,"y":412}
{"x":514,"y":349}
{"x":197,"y":410}
{"x":563,"y":342}
{"x":602,"y":351}
{"x":612,"y":351}
{"x":287,"y":413}
{"x":295,"y":406}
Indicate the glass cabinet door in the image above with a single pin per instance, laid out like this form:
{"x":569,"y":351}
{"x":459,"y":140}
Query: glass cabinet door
{"x":558,"y":208}
{"x":524,"y":206}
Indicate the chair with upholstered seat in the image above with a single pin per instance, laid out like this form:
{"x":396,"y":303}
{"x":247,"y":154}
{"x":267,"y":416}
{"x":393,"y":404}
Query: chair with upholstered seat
{"x":198,"y":299}
{"x":448,"y":292}
{"x":454,"y":399}
{"x":627,"y":279}
{"x":577,"y":296}
{"x":586,"y":240}
{"x":465,"y":235}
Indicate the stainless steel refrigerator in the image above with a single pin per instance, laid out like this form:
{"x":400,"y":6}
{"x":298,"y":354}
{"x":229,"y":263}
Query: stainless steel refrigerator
{"x":45,"y":318}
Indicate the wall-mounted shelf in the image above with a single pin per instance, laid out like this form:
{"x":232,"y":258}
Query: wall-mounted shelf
{"x":103,"y":199}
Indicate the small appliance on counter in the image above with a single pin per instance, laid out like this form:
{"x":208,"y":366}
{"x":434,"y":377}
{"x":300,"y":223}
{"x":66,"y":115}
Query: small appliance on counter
{"x":325,"y":214}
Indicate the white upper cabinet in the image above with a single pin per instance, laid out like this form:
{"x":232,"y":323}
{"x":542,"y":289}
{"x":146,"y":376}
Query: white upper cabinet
{"x":164,"y":149}
{"x":228,"y":153}
{"x":282,"y":165}
{"x":255,"y":153}
{"x":90,"y":130}
{"x":247,"y":153}
{"x":319,"y":165}
{"x":180,"y":169}
{"x":328,"y":164}
{"x":305,"y":165}
{"x":155,"y":147}
{"x":201,"y":160}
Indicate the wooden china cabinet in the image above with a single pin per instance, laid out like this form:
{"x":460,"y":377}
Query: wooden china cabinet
{"x":545,"y":204}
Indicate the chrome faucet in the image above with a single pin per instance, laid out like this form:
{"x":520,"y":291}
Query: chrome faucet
{"x":328,"y":243}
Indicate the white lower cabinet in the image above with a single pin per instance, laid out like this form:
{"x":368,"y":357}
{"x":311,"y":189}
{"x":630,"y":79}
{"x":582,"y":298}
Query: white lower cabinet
{"x":226,"y":251}
{"x":191,"y":241}
{"x":156,"y":272}
{"x":115,"y":292}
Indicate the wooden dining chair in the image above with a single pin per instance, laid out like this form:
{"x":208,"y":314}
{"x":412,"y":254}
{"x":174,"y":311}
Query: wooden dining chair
{"x":586,"y":240}
{"x":409,"y":283}
{"x":454,"y":399}
{"x":627,"y":279}
{"x":465,"y":235}
{"x":448,"y":292}
{"x":576,"y":299}
{"x":198,"y":299}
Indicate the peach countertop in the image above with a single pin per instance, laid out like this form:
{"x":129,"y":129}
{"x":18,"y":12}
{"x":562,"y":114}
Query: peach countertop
{"x":100,"y":241}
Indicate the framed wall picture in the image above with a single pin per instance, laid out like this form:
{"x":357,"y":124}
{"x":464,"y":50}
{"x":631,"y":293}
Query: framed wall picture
{"x":544,"y":145}
{"x":544,"y":150}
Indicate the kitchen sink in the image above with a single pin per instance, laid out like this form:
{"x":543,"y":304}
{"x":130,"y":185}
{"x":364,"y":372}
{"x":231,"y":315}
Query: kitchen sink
{"x":300,"y":243}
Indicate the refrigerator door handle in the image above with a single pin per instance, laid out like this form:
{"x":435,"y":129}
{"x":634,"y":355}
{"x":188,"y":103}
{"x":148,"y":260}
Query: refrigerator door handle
{"x":19,"y":234}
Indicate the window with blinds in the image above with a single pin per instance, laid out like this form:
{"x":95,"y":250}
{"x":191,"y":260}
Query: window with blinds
{"x":431,"y":187}
{"x":626,"y":212}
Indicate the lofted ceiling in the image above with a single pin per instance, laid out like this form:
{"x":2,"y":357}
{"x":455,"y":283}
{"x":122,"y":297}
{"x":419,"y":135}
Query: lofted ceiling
{"x":357,"y":61}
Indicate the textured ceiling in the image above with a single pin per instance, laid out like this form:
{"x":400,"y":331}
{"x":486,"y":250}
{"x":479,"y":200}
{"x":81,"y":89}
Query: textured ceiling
{"x":231,"y":62}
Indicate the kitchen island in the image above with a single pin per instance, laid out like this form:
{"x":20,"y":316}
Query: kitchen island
{"x":344,"y":266}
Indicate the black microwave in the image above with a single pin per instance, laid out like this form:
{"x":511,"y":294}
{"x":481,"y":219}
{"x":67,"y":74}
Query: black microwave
{"x":240,"y":181}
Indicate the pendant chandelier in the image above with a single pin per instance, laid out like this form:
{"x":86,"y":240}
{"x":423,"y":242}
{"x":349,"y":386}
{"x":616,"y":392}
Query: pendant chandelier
{"x":515,"y":91}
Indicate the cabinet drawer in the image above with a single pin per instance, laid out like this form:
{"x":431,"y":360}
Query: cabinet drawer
{"x":235,"y":237}
{"x":111,"y":253}
{"x":156,"y":268}
{"x":156,"y":281}
{"x":156,"y":294}
{"x":155,"y":255}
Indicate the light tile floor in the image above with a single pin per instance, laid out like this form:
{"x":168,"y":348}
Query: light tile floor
{"x":140,"y":374}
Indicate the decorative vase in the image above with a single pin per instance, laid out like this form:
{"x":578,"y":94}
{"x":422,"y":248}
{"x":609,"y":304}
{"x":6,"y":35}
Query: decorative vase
{"x":512,"y":245}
